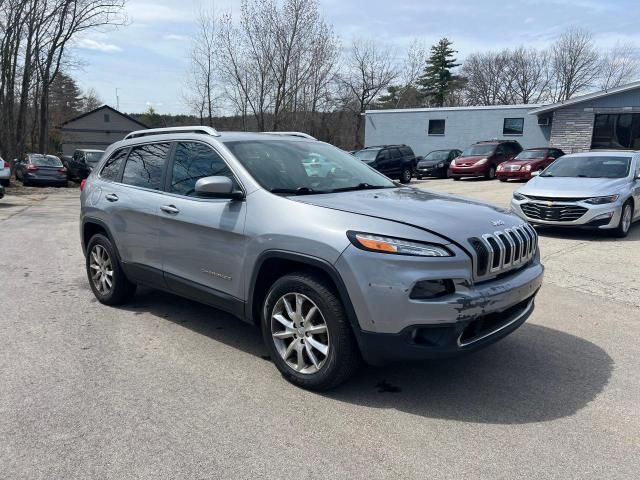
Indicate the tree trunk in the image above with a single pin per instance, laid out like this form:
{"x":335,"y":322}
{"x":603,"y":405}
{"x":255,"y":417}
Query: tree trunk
{"x":43,"y":141}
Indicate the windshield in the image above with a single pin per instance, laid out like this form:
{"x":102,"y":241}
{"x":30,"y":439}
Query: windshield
{"x":438,"y":155}
{"x":45,"y":161}
{"x":589,"y":167}
{"x":304,"y":167}
{"x":478,"y":150}
{"x":367,"y":155}
{"x":93,"y":157}
{"x":530,"y":154}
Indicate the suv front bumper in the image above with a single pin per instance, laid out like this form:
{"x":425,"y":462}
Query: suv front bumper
{"x":392,"y":326}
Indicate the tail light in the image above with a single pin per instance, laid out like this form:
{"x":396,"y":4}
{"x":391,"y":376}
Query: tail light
{"x":31,"y":168}
{"x":82,"y":184}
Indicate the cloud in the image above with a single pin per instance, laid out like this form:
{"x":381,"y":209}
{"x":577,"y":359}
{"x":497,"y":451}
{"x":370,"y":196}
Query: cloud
{"x":174,"y":37}
{"x":90,"y":44}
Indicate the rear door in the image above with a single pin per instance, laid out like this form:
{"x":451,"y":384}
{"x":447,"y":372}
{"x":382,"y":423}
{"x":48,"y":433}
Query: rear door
{"x":202,"y":239}
{"x":395,"y":163}
{"x":134,"y":209}
{"x":382,"y":163}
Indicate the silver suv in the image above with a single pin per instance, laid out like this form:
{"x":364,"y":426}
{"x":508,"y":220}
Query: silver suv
{"x":335,"y":265}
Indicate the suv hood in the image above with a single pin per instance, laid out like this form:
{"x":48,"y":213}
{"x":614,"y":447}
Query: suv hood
{"x":558,"y":187}
{"x":454,"y":218}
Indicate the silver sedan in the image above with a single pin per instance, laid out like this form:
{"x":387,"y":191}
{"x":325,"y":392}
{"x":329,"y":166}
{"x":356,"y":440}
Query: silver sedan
{"x":596,"y":189}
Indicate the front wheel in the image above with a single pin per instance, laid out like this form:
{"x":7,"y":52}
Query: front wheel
{"x":307,"y":332}
{"x":622,"y":230}
{"x":491,"y":174}
{"x":405,"y":175}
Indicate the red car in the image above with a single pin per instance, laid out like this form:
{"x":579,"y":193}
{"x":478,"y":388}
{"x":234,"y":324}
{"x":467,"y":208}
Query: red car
{"x":482,"y":159}
{"x":527,"y":161}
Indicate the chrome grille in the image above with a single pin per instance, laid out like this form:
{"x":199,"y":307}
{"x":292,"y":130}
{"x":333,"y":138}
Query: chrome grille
{"x":512,"y":168}
{"x":504,"y":250}
{"x":555,"y":213}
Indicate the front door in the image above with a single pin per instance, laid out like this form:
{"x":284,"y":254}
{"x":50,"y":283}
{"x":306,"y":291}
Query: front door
{"x":202,"y":239}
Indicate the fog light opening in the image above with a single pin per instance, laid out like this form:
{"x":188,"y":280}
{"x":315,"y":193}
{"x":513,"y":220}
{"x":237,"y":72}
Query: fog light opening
{"x":430,"y":289}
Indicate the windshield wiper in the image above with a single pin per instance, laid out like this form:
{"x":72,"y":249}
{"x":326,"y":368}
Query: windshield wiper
{"x":296,"y":191}
{"x":360,"y":186}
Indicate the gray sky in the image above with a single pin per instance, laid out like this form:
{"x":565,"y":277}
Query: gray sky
{"x":147,"y":60}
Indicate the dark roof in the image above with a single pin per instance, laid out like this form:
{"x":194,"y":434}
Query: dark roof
{"x":104,"y":107}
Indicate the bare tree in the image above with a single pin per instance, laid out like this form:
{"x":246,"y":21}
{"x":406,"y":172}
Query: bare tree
{"x":619,"y":65}
{"x":91,"y":100}
{"x":66,"y":19}
{"x":488,"y":80}
{"x":530,"y":75}
{"x":202,"y":74}
{"x":368,"y":71}
{"x":575,"y":64}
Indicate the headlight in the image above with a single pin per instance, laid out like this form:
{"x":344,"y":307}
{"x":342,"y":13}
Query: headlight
{"x":500,"y":167}
{"x":377,"y":243}
{"x":527,"y":168}
{"x":602,"y":200}
{"x":440,"y":165}
{"x":519,"y":196}
{"x":481,"y":162}
{"x":453,"y":163}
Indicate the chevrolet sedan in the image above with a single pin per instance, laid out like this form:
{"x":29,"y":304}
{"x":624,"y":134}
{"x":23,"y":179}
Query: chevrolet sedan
{"x":596,"y":189}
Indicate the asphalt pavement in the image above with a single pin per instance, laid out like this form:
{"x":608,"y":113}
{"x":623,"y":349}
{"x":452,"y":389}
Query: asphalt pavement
{"x":167,"y":388}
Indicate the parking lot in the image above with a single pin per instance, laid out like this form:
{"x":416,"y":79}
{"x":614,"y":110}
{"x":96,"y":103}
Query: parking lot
{"x":169,"y":388}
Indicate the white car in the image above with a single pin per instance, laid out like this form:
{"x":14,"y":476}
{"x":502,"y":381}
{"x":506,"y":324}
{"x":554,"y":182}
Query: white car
{"x":598,"y":190}
{"x":5,"y":172}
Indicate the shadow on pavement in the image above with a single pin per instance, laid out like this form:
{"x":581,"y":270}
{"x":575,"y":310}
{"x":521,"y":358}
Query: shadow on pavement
{"x":588,"y":235}
{"x":537,"y":374}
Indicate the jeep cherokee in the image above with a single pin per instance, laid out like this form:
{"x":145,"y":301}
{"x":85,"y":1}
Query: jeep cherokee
{"x":335,"y":264}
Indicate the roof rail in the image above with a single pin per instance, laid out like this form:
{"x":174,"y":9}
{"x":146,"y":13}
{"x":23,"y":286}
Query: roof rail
{"x":163,"y":131}
{"x":293,"y":134}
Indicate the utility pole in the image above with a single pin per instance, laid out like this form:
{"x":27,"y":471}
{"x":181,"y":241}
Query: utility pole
{"x":117,"y":99}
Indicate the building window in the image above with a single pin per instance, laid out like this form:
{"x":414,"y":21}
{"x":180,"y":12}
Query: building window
{"x":513,"y":126}
{"x":436,"y":127}
{"x":107,"y":118}
{"x":620,"y":130}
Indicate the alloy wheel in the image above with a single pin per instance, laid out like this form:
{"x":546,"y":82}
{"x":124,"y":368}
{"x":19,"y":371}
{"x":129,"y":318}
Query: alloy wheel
{"x":101,"y":269}
{"x":626,"y":218}
{"x":300,"y":333}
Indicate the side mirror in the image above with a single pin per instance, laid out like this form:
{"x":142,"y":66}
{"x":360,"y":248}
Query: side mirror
{"x":220,"y":187}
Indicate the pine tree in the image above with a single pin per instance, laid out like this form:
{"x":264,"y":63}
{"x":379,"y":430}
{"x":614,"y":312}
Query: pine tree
{"x":437,"y":81}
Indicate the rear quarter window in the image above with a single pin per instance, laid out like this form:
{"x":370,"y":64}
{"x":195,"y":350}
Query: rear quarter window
{"x":111,"y":169}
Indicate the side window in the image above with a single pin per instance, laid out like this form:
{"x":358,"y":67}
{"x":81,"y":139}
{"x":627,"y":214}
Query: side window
{"x":406,"y":151}
{"x":192,"y":162}
{"x":383,"y":155}
{"x":500,"y":150}
{"x":395,"y":153}
{"x":111,"y":168}
{"x":145,"y":166}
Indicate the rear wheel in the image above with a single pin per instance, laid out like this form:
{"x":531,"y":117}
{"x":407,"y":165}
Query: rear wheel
{"x":106,"y":277}
{"x":307,"y":332}
{"x":405,"y":175}
{"x":622,"y":230}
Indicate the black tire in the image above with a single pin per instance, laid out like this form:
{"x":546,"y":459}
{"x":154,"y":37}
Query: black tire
{"x":343,"y":358}
{"x":122,"y":290}
{"x":456,"y":179}
{"x":25,"y":183}
{"x":405,"y":175}
{"x":5,"y":183}
{"x":622,"y":230}
{"x":418,"y":177}
{"x":502,"y":179}
{"x":491,"y":173}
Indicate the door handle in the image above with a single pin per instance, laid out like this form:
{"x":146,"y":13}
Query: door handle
{"x":112,"y":197}
{"x":170,"y":209}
